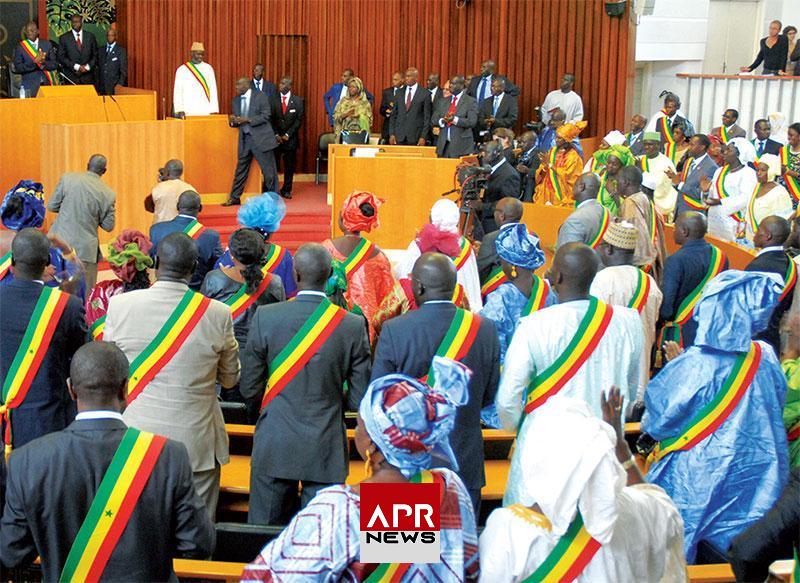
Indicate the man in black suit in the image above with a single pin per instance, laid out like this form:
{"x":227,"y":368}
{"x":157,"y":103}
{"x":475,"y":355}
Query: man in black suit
{"x":507,"y":211}
{"x":634,"y":139}
{"x":252,"y":115}
{"x":769,"y":239}
{"x":54,"y":481}
{"x":762,"y":142}
{"x":433,"y":87}
{"x":209,"y":248}
{"x":409,"y":342}
{"x":300,"y":435}
{"x":46,"y":407}
{"x":499,"y":111}
{"x":77,"y":53}
{"x":480,"y":86}
{"x":258,"y":83}
{"x":388,"y":97}
{"x":503,"y":182}
{"x":527,"y":164}
{"x":287,"y":117}
{"x":35,"y":59}
{"x":112,"y":64}
{"x":410,"y":120}
{"x":456,"y":119}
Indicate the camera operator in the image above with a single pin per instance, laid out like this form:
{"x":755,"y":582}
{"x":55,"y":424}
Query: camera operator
{"x":503,"y":181}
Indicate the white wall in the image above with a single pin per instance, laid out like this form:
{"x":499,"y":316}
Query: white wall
{"x":676,"y":31}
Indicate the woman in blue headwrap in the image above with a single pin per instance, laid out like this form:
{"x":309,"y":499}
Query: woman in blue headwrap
{"x":23,"y":208}
{"x":715,"y":413}
{"x":264,"y":214}
{"x":402,"y":433}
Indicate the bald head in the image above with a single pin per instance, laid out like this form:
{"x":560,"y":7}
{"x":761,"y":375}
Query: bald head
{"x":586,"y":187}
{"x":508,"y":210}
{"x":772,"y":231}
{"x":177,"y":256}
{"x":97,"y":164}
{"x":312,"y":267}
{"x":690,"y":225}
{"x":433,"y":278}
{"x":98,"y":377}
{"x":629,"y":180}
{"x":189,"y":203}
{"x":574,"y":268}
{"x":30,"y":254}
{"x":174,"y":168}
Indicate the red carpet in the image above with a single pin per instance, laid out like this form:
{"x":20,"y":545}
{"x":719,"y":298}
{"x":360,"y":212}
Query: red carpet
{"x":308,"y":217}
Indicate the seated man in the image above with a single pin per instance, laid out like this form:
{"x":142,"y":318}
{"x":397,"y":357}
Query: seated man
{"x":68,"y":490}
{"x":716,"y":413}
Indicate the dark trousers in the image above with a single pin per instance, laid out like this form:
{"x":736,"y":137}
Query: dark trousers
{"x":266,"y":161}
{"x":275,"y":501}
{"x":288,"y":162}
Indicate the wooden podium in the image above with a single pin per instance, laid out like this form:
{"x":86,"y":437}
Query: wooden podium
{"x":67,"y":91}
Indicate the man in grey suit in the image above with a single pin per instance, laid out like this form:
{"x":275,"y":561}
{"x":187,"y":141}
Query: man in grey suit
{"x":699,"y":166}
{"x":54,"y":480}
{"x":584,"y":223}
{"x":180,"y":402}
{"x":252,"y":115}
{"x":634,"y":139}
{"x":300,"y":435}
{"x":456,"y":118}
{"x":84,"y":203}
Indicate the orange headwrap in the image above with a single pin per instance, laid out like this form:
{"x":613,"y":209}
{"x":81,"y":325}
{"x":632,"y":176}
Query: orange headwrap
{"x":353,"y":217}
{"x":570,"y":131}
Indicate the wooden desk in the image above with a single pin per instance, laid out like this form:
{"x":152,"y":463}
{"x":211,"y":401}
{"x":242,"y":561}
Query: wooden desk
{"x":208,"y":570}
{"x":721,"y":573}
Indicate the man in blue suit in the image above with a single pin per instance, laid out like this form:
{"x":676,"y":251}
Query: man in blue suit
{"x":337,"y":91}
{"x":700,"y":166}
{"x":209,"y":248}
{"x":35,"y":60}
{"x":258,"y":83}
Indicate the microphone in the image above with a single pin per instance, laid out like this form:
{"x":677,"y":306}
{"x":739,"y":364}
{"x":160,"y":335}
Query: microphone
{"x":449,"y":192}
{"x":67,"y":78}
{"x":122,"y":113}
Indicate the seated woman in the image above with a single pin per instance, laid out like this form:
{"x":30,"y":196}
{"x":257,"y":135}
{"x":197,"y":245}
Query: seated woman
{"x":402,"y":433}
{"x":23,"y":208}
{"x":129,"y":258}
{"x":352,"y":116}
{"x":613,"y":160}
{"x":264,"y":214}
{"x":583,"y":488}
{"x":769,"y":197}
{"x":613,"y":138}
{"x":560,"y":167}
{"x":366,"y":269}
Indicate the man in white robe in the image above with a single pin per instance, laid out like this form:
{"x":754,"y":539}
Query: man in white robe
{"x":195,"y":90}
{"x":654,"y":165}
{"x":565,"y":99}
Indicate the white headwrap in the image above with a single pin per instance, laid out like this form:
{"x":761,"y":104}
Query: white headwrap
{"x":445,"y":215}
{"x":614,"y":138}
{"x":773,"y":163}
{"x":747,"y":152}
{"x":569,"y":464}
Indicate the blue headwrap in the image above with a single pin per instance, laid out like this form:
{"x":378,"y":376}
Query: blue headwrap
{"x":32,"y":215}
{"x":734,"y":307}
{"x":410,"y":422}
{"x":518,"y":247}
{"x":263,"y":213}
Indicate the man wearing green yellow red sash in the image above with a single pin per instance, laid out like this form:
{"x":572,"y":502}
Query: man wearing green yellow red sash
{"x":112,"y":502}
{"x":195,"y":90}
{"x":35,"y":60}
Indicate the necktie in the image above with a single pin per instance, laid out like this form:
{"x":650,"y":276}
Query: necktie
{"x":243,"y":112}
{"x":496,"y":105}
{"x":691,"y":166}
{"x":452,"y":109}
{"x":760,"y":147}
{"x":108,"y":50}
{"x":408,"y":98}
{"x":481,"y":89}
{"x":78,"y":41}
{"x":258,"y":84}
{"x":285,"y":104}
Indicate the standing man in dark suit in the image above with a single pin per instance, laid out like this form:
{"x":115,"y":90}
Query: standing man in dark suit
{"x":252,"y":115}
{"x":77,"y":53}
{"x":456,"y":122}
{"x":688,"y":183}
{"x":634,"y":139}
{"x":209,"y":248}
{"x":499,"y":111}
{"x":56,"y":488}
{"x":410,"y":120}
{"x":433,"y":87}
{"x":480,"y":86}
{"x":762,"y":142}
{"x":36,"y":60}
{"x":527,"y":164}
{"x":507,"y":212}
{"x":288,"y":111}
{"x":409,"y":342}
{"x":112,"y":65}
{"x":503,"y":182}
{"x":300,"y":435}
{"x":42,"y":404}
{"x":388,"y":97}
{"x":258,"y":83}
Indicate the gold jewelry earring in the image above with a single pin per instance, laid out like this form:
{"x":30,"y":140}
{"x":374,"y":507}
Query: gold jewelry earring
{"x":368,"y":464}
{"x":513,"y":271}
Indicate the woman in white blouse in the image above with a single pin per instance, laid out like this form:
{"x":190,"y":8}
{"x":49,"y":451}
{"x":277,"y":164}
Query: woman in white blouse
{"x":768,"y":197}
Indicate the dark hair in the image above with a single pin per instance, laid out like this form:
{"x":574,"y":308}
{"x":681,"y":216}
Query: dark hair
{"x":367,"y":209}
{"x":672,"y":98}
{"x":789,"y":28}
{"x":681,"y":125}
{"x":734,"y":112}
{"x":248,"y":248}
{"x":141,"y":280}
{"x":703,"y":140}
{"x":14,"y":207}
{"x":795,"y":126}
{"x":762,"y":120}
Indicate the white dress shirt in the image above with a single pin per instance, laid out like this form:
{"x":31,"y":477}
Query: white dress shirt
{"x":78,"y":38}
{"x":410,"y":89}
{"x":88,"y":415}
{"x":570,"y":103}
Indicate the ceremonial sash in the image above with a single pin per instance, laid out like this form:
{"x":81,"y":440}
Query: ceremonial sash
{"x":301,"y":348}
{"x":496,"y":278}
{"x":751,"y":209}
{"x":602,"y":188}
{"x":180,"y":324}
{"x":714,"y":414}
{"x":595,"y":242}
{"x":539,"y":292}
{"x":5,"y":264}
{"x":653,"y":224}
{"x":669,"y":140}
{"x":569,"y":557}
{"x":794,"y":431}
{"x":695,"y":205}
{"x":644,"y":163}
{"x":551,"y":174}
{"x":595,"y":166}
{"x":792,"y":183}
{"x":97,"y":328}
{"x":112,"y":506}
{"x":275,"y":256}
{"x":795,"y":578}
{"x":200,"y":79}
{"x":463,"y":253}
{"x":194,"y":229}
{"x":241,"y":300}
{"x":715,"y":267}
{"x":552,"y":379}
{"x":457,"y":340}
{"x":32,"y":52}
{"x":642,"y":291}
{"x":789,"y":280}
{"x":458,"y":295}
{"x":723,"y":193}
{"x":358,"y":256}
{"x":723,"y":134}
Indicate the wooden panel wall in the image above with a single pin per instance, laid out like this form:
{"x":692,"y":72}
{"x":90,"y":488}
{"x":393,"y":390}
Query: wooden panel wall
{"x":534,"y":42}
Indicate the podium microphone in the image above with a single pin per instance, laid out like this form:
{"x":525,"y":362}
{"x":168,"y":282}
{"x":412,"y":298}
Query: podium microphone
{"x":449,"y":192}
{"x":67,"y":78}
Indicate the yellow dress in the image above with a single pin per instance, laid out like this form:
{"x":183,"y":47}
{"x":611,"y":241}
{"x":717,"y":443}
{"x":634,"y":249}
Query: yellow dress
{"x":566,"y":170}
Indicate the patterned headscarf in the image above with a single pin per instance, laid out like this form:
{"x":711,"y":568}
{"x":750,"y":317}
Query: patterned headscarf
{"x":128,"y":254}
{"x":410,"y":422}
{"x":354,"y":219}
{"x":570,"y":131}
{"x":263,"y":213}
{"x":360,"y":84}
{"x":518,"y":247}
{"x":32,"y":196}
{"x":622,"y":153}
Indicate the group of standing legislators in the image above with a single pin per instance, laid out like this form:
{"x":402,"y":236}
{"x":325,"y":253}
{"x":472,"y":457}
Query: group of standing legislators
{"x":75,"y":60}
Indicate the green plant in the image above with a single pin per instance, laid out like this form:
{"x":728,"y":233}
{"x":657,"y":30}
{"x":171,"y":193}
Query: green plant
{"x":100,"y":12}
